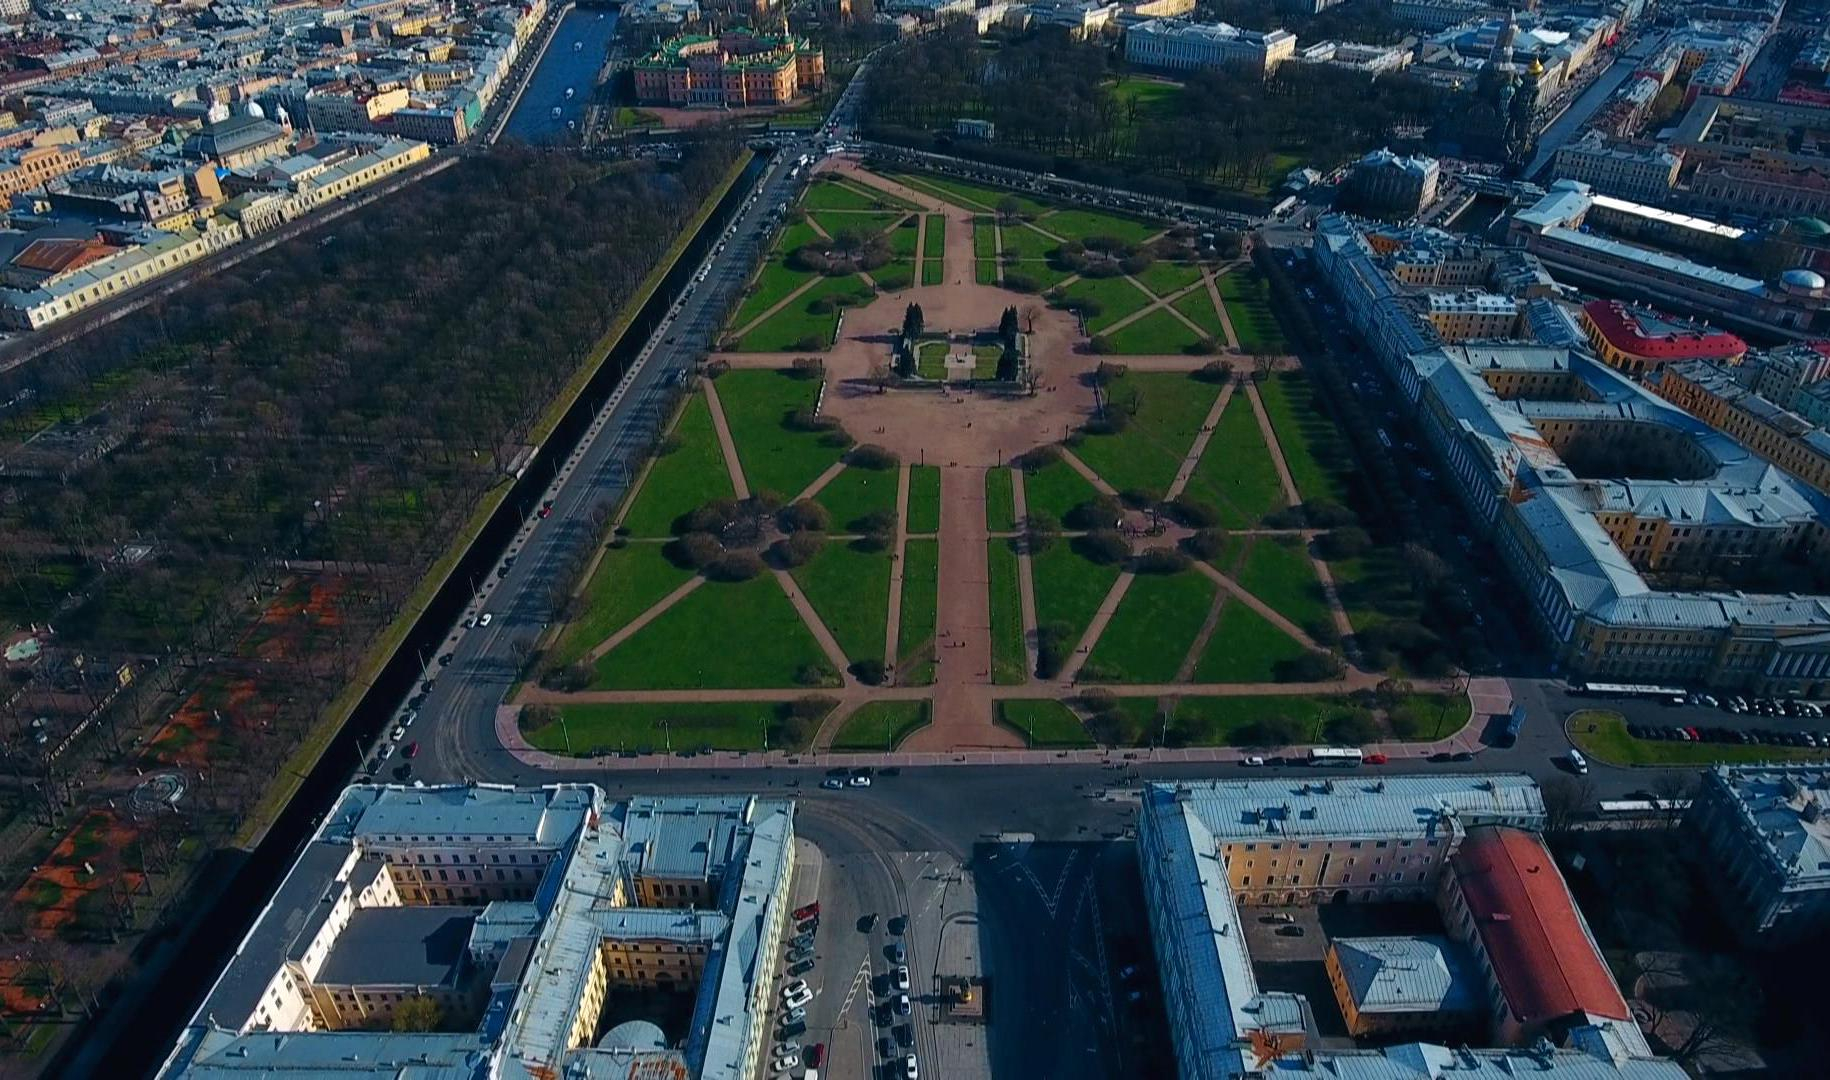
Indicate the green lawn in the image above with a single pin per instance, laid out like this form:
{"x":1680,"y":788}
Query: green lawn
{"x":1000,"y":505}
{"x":924,"y":499}
{"x":798,"y":327}
{"x":1199,"y":307}
{"x":1245,"y":648}
{"x":933,"y":271}
{"x":868,"y":223}
{"x":628,"y":581}
{"x":1235,"y":474}
{"x":1318,"y":457}
{"x":985,"y":272}
{"x":850,"y":589}
{"x":1056,"y":488}
{"x":592,"y":729}
{"x":985,"y":361}
{"x":1248,"y":303}
{"x":857,"y":493}
{"x":772,"y":285}
{"x":881,"y":197}
{"x":1164,"y":277}
{"x":1078,"y":224}
{"x":881,"y":725}
{"x":920,"y":597}
{"x":1156,"y":333}
{"x":906,"y":236}
{"x":720,"y":637}
{"x":984,"y":236}
{"x":1227,"y":721}
{"x":931,"y":360}
{"x":692,"y":475}
{"x":1044,"y":723}
{"x":1166,"y":410}
{"x":1009,"y":655}
{"x":1069,"y":588}
{"x":1115,"y":296}
{"x":774,"y":457}
{"x":1609,"y":742}
{"x":1152,"y":97}
{"x":1152,"y":630}
{"x":834,"y":195}
{"x":1025,"y":242}
{"x":1040,"y":271}
{"x":934,"y":244}
{"x":1278,"y":571}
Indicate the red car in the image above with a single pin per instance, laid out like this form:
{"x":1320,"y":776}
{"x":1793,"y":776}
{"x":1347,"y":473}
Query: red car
{"x":412,"y":750}
{"x":816,"y":1055}
{"x":1375,"y":759}
{"x":802,"y":914}
{"x":546,"y":508}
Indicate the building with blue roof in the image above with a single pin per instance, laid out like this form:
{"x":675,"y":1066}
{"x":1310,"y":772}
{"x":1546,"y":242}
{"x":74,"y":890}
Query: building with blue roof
{"x":1766,"y":832}
{"x":1600,"y":495}
{"x":518,"y":910}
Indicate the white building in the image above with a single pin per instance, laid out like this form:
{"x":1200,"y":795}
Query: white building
{"x":1642,"y":173}
{"x":1181,"y":46}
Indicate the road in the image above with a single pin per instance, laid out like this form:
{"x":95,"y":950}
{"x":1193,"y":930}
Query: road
{"x":471,"y":672}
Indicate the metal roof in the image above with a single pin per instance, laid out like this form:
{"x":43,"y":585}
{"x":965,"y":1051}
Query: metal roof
{"x":1389,"y":807}
{"x":1419,"y":974}
{"x":414,"y":945}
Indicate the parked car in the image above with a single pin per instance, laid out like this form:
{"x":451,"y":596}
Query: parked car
{"x":902,"y":979}
{"x":867,"y":923}
{"x":903,"y":1005}
{"x":802,"y":914}
{"x":833,"y":783}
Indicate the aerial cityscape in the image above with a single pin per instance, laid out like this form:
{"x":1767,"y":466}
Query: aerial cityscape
{"x":900,"y":539}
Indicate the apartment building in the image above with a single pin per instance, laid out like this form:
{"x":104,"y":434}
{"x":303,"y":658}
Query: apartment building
{"x":1765,"y":831}
{"x":1712,"y":393}
{"x":1642,"y":173}
{"x":1194,"y":836}
{"x":1473,"y":315}
{"x":518,"y":911}
{"x":1179,"y":45}
{"x":1639,"y":340}
{"x":34,"y":167}
{"x":1595,"y":491}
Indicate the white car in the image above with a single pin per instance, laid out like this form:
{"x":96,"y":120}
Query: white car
{"x":860,"y":781}
{"x":793,"y":987}
{"x":903,"y":1005}
{"x":833,"y":783}
{"x":398,"y":733}
{"x":1252,"y":760}
{"x":799,"y":999}
{"x":485,"y":618}
{"x":909,"y":1070}
{"x":788,"y":1049}
{"x":902,"y":979}
{"x":785,"y":1065}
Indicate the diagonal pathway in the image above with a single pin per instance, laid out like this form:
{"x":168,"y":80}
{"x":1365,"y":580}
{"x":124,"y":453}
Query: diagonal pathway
{"x":828,"y":644}
{"x":737,"y":334}
{"x":1193,"y":457}
{"x":1084,"y":648}
{"x":1157,"y":303}
{"x":726,"y":445}
{"x":1226,"y":318}
{"x":1186,"y":672}
{"x":1271,"y":614}
{"x":1269,"y":434}
{"x":1081,"y":467}
{"x":629,"y":629}
{"x":819,"y":483}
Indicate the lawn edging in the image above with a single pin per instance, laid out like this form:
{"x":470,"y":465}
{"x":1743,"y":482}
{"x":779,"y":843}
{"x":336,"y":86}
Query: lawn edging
{"x":1611,"y":744}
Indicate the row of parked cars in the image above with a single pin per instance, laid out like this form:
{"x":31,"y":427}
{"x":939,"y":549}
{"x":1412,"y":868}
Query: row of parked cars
{"x":1737,"y":705}
{"x":796,"y":996}
{"x":1742,"y":736}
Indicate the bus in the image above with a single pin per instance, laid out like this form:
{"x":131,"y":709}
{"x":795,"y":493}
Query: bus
{"x":1672,"y":694}
{"x":1283,"y":207}
{"x":1508,"y":734}
{"x":1341,"y":757}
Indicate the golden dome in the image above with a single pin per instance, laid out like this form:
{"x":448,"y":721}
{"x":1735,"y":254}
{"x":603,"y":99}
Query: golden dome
{"x":1537,"y":66}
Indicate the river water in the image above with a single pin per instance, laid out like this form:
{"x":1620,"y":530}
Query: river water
{"x":571,"y":62}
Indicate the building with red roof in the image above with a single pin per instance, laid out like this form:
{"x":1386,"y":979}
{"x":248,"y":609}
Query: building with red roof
{"x":1506,"y":901}
{"x":1637,"y":339}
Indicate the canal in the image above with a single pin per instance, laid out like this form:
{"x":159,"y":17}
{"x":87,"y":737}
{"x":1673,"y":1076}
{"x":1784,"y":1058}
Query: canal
{"x":571,"y":63}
